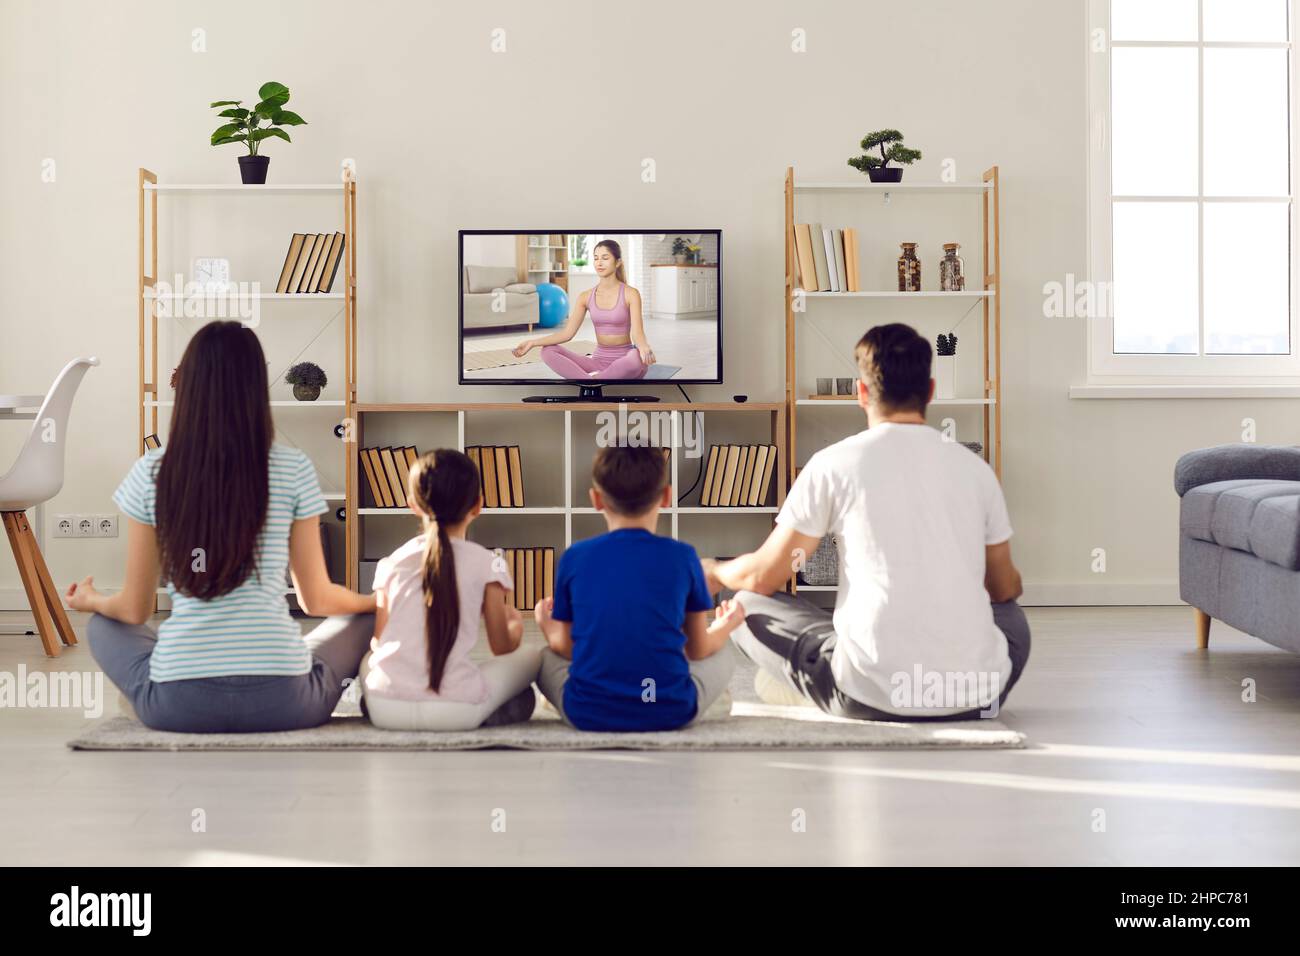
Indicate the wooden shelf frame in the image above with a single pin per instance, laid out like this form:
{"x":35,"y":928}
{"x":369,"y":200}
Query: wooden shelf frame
{"x":150,"y":391}
{"x":775,"y":413}
{"x":989,"y":294}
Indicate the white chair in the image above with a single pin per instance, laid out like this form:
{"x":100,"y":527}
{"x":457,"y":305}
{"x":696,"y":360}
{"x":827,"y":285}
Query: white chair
{"x":36,"y":477}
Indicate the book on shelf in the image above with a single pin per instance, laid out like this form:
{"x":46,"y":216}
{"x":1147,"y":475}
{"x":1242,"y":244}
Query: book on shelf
{"x":332,"y":260}
{"x":300,"y":264}
{"x":515,"y":468}
{"x":383,"y":495}
{"x":290,"y":261}
{"x":818,"y":241}
{"x":710,"y":474}
{"x":841,"y":268}
{"x":533,"y":572}
{"x":851,"y":259}
{"x":318,"y":269}
{"x":828,"y":238}
{"x":488,"y":475}
{"x":394,"y":474}
{"x":501,"y":474}
{"x":738,"y":475}
{"x":317,"y":250}
{"x":804,"y":249}
{"x":745,"y":475}
{"x":386,"y":471}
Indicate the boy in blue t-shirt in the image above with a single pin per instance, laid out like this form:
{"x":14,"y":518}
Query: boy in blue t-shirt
{"x":630,"y":642}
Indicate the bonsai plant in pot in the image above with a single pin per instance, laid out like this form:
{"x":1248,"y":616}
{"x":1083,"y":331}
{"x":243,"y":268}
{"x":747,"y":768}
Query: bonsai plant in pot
{"x":945,"y":366}
{"x":307,"y":379}
{"x":889,"y":142}
{"x":251,"y":127}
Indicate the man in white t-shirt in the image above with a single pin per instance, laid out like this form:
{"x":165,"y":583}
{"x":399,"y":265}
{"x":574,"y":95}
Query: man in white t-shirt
{"x":925,"y":626}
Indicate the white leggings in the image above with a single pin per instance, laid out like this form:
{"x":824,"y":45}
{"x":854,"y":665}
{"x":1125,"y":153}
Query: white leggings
{"x":506,"y":676}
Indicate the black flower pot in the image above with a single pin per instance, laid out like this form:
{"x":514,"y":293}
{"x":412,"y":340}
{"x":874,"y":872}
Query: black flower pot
{"x":881,"y":174}
{"x":252,"y":169}
{"x":306,"y":393}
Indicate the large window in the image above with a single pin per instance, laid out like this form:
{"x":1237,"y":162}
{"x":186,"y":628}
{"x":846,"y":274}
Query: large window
{"x":1191,"y":214}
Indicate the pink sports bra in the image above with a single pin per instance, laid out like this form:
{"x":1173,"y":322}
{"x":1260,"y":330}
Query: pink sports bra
{"x":615,"y":321}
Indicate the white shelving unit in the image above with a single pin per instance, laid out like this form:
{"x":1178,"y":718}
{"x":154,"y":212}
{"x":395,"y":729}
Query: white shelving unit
{"x":987,"y":285}
{"x":570,"y":506}
{"x":151,"y":385}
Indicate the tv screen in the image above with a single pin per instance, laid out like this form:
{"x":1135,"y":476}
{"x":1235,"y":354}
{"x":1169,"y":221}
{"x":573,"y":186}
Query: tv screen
{"x":591,"y":308}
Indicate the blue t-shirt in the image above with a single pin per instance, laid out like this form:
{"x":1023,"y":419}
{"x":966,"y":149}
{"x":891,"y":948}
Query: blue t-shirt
{"x":626,"y":594}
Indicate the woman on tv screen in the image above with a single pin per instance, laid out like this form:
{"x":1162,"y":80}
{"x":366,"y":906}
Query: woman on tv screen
{"x":622,"y":351}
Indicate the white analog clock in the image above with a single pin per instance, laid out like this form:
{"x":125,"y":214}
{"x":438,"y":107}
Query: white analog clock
{"x":211,"y":273}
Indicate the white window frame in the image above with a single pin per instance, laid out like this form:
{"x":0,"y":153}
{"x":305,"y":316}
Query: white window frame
{"x":1105,"y":366}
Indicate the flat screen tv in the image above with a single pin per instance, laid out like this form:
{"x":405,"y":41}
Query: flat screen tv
{"x":628,"y":307}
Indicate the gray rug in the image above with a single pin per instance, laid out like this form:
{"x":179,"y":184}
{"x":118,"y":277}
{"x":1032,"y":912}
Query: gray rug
{"x":751,"y":725}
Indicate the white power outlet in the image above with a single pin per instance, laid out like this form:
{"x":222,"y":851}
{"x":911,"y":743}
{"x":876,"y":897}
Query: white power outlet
{"x":106,"y":526}
{"x":65,"y":526}
{"x":84,"y":526}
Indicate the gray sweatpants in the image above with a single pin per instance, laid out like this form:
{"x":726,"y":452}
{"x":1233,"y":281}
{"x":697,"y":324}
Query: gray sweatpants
{"x":237,"y":704}
{"x":793,"y":640}
{"x":710,"y":676}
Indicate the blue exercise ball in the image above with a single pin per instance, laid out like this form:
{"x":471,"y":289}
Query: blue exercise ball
{"x":552,"y":305}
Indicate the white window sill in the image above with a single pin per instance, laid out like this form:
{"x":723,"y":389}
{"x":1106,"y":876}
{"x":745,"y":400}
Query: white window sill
{"x":1183,"y":391}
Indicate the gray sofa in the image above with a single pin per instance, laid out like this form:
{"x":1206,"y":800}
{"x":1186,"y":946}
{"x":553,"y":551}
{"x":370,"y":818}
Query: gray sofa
{"x":479,"y":286}
{"x":1239,"y":540}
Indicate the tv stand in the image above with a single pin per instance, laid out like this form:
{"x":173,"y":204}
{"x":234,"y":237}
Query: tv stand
{"x":591,"y":393}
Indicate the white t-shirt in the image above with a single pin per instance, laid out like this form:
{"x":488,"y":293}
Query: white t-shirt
{"x":399,"y":659}
{"x":912,"y":514}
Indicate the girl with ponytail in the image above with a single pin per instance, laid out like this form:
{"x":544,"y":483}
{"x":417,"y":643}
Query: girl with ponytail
{"x":432,"y":592}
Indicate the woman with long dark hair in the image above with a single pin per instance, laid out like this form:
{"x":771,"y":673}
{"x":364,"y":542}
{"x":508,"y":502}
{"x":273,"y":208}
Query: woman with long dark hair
{"x":218,"y":516}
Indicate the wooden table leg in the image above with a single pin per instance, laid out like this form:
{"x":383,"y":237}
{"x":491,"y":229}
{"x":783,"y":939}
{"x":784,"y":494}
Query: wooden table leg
{"x":52,"y":598}
{"x":31,"y":583}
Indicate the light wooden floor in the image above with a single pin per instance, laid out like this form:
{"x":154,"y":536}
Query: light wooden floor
{"x":1125,"y":716}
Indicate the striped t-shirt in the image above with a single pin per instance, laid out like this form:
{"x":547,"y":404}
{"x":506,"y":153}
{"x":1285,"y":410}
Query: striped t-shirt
{"x":248,"y":630}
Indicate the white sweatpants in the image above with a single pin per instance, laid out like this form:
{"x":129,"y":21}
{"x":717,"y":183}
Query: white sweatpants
{"x":505,"y":677}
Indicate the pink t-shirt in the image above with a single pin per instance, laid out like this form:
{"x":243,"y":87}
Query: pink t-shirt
{"x":399,"y":661}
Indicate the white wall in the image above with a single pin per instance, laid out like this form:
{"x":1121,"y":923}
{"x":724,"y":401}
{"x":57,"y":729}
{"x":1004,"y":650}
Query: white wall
{"x":446,"y":135}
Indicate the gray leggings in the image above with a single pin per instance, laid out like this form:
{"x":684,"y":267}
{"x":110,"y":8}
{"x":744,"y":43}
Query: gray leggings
{"x":236,"y":704}
{"x":793,"y":640}
{"x":710,"y":676}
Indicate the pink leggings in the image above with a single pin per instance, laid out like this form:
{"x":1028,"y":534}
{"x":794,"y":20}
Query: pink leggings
{"x":608,"y":361}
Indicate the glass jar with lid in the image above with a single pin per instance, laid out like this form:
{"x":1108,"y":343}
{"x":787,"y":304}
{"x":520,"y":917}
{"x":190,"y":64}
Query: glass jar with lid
{"x":909,"y":269}
{"x":952,"y":270}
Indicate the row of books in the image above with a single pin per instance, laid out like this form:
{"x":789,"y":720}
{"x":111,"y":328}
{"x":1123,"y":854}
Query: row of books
{"x":311,"y":263}
{"x":826,"y":259}
{"x":501,"y":474}
{"x":533,"y":571}
{"x":386,"y":470}
{"x":738,"y":475}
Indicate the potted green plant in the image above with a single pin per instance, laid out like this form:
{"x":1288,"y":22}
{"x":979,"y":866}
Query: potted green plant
{"x":307,"y":379}
{"x":250,"y":127}
{"x":890,"y":144}
{"x":680,"y":248}
{"x":945,"y":365}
